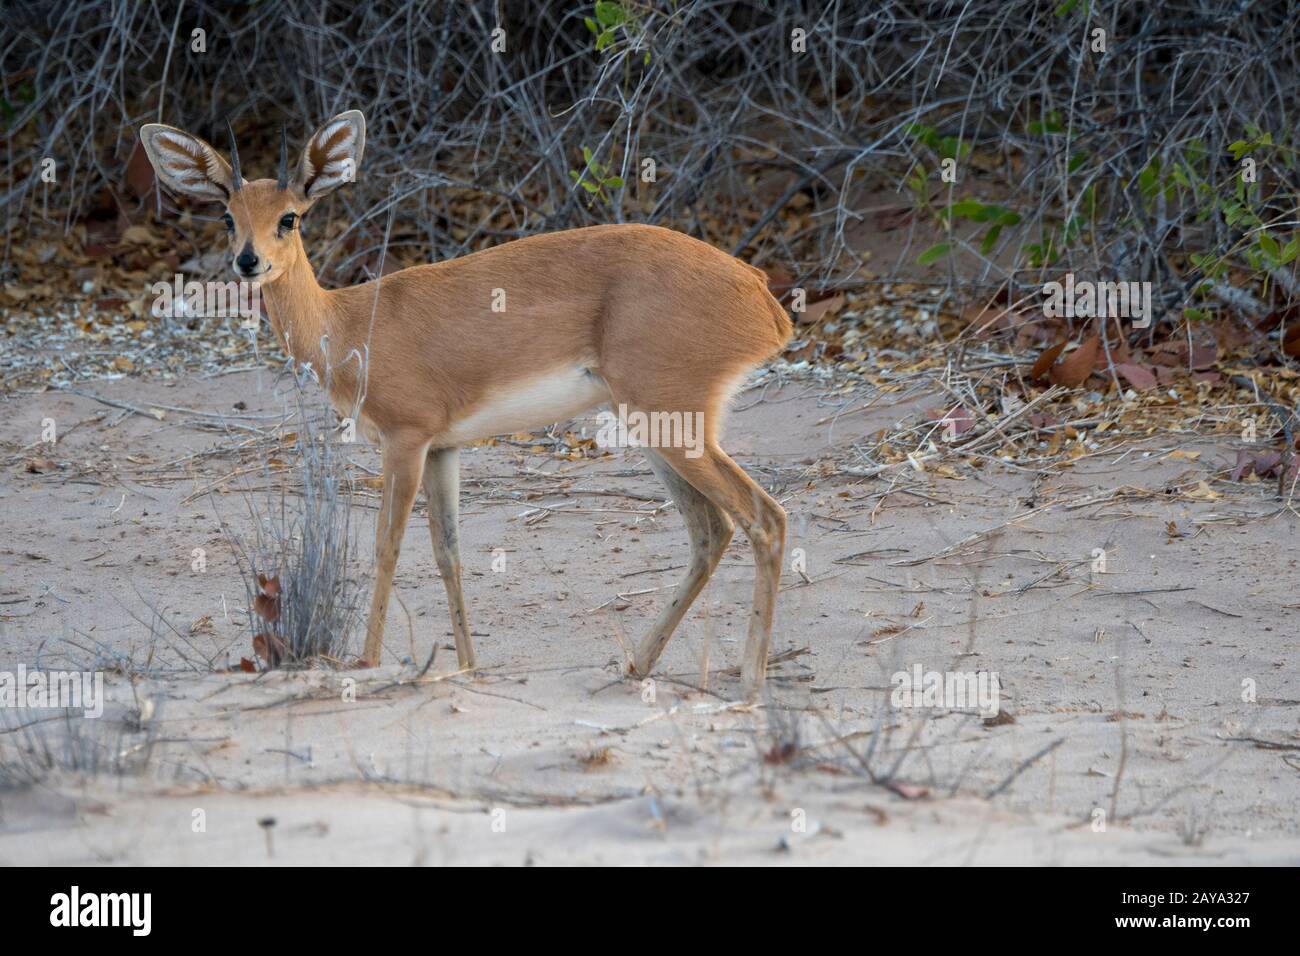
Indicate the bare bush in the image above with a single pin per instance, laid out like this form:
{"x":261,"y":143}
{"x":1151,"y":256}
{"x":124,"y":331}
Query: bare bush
{"x":304,"y":599}
{"x":33,"y":749}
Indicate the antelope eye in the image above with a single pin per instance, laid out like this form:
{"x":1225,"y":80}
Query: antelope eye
{"x":287,"y":221}
{"x":230,"y":223}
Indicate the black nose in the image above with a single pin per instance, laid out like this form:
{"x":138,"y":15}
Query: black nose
{"x":246,"y":260}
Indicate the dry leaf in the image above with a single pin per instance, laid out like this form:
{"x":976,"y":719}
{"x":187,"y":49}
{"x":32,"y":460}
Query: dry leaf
{"x":1045,"y":361}
{"x":1075,"y":368}
{"x":1140,"y":377}
{"x":269,"y":648}
{"x":819,"y":311}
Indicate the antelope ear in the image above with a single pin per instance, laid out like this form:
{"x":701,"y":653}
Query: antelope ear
{"x":186,"y":164}
{"x":332,"y":155}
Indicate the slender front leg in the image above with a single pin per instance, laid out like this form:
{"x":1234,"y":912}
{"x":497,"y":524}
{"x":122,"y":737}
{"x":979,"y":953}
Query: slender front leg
{"x":442,"y":489}
{"x":403,"y":468}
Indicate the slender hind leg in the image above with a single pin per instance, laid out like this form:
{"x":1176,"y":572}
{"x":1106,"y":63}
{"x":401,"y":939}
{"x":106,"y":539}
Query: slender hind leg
{"x":710,"y":532}
{"x":727,"y":485}
{"x":442,"y":488}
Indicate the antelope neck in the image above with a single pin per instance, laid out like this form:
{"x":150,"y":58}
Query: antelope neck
{"x":300,"y":310}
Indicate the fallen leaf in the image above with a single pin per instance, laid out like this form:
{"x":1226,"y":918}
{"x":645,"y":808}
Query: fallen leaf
{"x":1075,"y":368}
{"x":1203,"y":356}
{"x":1042,"y":419}
{"x":1291,"y":343}
{"x":815,"y":312}
{"x":1140,"y":377}
{"x":1243,"y":465}
{"x":956,"y":421}
{"x":1045,"y":361}
{"x":1267,"y":462}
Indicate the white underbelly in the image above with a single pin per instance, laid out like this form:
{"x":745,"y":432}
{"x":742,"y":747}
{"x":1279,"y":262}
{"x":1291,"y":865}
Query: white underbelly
{"x":548,"y":398}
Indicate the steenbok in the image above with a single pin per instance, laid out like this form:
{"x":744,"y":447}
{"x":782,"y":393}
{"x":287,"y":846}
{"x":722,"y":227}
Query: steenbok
{"x":511,"y":338}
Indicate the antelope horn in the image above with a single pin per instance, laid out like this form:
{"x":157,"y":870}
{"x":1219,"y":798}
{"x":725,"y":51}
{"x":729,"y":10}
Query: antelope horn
{"x":282,"y":181}
{"x":234,"y":158}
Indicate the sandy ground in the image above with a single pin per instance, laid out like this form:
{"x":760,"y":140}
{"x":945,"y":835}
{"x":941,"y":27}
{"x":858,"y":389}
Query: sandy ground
{"x":1121,"y":692}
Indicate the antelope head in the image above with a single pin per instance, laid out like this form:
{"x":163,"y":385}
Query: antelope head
{"x":262,"y":216}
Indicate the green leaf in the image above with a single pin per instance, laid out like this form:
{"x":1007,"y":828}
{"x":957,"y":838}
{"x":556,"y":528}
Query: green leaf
{"x":586,"y":155}
{"x":966,"y":208}
{"x":1147,"y":181}
{"x":1269,"y":245}
{"x":1238,"y":149}
{"x":934,"y":253}
{"x":591,"y":25}
{"x":924,"y":134}
{"x":1065,"y":8}
{"x":1196,"y":315}
{"x":1290,"y":251}
{"x":604,"y":40}
{"x":575,"y":174}
{"x":614,"y":182}
{"x":917,"y":182}
{"x":990,"y":238}
{"x":608,"y":13}
{"x":590,"y":186}
{"x":1009,"y":218}
{"x":1077,"y":160}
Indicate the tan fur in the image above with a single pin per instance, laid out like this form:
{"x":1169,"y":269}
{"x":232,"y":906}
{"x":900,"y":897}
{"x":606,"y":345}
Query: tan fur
{"x":630,"y":314}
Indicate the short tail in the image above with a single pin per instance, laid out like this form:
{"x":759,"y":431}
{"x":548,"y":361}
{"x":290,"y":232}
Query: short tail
{"x":780,"y":319}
